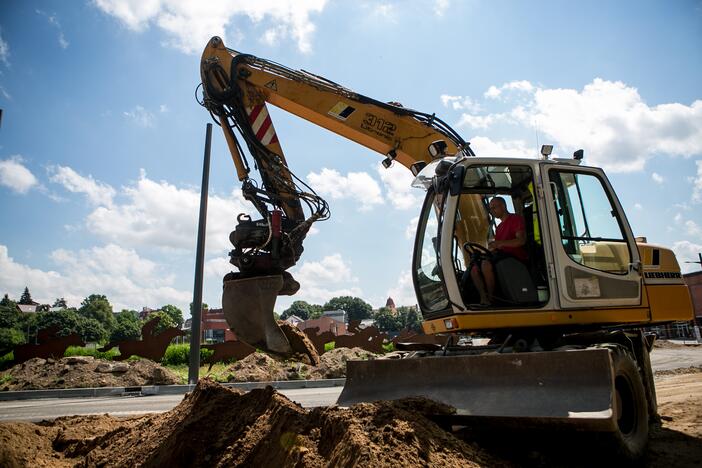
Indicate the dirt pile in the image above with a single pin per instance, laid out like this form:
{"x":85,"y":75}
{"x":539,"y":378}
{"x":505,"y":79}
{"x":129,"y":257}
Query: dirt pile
{"x":679,"y":371}
{"x":260,"y":367}
{"x":218,"y":426}
{"x":665,"y":344}
{"x":85,"y":371}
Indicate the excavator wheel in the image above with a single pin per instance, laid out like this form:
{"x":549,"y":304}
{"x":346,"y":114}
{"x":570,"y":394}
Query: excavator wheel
{"x":631,"y":436}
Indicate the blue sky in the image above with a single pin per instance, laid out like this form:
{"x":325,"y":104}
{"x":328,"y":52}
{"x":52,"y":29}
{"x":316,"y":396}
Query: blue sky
{"x":101,"y":138}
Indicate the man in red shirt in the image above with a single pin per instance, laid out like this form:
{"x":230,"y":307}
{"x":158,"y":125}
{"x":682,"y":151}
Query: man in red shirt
{"x":510,"y":237}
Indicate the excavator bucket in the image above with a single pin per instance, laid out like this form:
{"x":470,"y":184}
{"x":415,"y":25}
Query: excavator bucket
{"x":248,"y":307}
{"x":571,"y":388}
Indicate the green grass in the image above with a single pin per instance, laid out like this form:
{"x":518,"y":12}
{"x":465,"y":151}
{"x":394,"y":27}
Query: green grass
{"x":5,"y":378}
{"x":329,"y":346}
{"x":219,"y":372}
{"x":389,"y":347}
{"x":80,"y":351}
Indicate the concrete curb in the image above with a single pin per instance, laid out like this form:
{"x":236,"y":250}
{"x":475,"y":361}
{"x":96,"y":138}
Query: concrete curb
{"x":160,"y":389}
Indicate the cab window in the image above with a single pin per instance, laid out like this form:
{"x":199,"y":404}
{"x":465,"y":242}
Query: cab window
{"x":591,"y":231}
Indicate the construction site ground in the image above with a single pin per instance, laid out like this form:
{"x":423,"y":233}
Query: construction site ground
{"x":218,"y":426}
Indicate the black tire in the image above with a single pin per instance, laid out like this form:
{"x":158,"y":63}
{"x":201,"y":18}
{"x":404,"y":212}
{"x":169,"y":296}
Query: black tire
{"x":630,"y":406}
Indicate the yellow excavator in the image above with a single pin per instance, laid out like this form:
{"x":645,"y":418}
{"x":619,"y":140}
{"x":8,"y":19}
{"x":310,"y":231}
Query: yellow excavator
{"x":567,"y":345}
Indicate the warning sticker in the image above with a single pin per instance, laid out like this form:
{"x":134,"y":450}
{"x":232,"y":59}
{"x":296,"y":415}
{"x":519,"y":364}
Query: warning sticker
{"x":587,"y":287}
{"x":341,"y":110}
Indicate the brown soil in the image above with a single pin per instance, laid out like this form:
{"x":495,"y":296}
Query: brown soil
{"x":261,"y":367}
{"x":299,"y":342}
{"x":670,"y":345}
{"x":217,"y":426}
{"x":680,"y":371}
{"x":85,"y":371}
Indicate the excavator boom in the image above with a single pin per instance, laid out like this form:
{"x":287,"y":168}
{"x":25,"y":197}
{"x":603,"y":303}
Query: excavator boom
{"x":236,"y":90}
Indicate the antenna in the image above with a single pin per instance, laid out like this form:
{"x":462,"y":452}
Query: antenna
{"x":699,"y":262}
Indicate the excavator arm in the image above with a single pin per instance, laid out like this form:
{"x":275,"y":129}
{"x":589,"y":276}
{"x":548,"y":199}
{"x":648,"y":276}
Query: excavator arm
{"x":236,"y":90}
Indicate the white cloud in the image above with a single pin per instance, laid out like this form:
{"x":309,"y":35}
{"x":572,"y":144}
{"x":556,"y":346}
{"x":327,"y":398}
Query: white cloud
{"x":218,"y":267}
{"x":140,"y":117}
{"x":163,"y":108}
{"x":397,"y":181}
{"x":322,"y":280}
{"x":159,"y":214}
{"x":697,"y":184}
{"x":411,"y":229}
{"x":479,"y":121}
{"x":98,"y":193}
{"x":189,"y":25}
{"x":460,"y":103}
{"x":5,"y":94}
{"x":4,"y":51}
{"x":692,"y":228}
{"x":440,"y":7}
{"x":638,"y":206}
{"x":686,"y":251}
{"x":128,"y":280}
{"x":403,"y":292}
{"x":608,"y":119}
{"x":484,"y":146}
{"x":358,"y":186}
{"x":494,"y":92}
{"x":15,"y":176}
{"x":53,"y":20}
{"x":657,"y":178}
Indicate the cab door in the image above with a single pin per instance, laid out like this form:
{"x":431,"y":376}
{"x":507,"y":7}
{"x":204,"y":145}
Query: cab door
{"x":596,"y":260}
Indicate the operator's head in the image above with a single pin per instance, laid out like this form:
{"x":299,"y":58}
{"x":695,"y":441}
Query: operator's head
{"x":498,"y":207}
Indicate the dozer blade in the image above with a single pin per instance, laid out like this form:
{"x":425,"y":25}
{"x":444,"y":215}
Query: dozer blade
{"x":572,"y":388}
{"x":248,"y":307}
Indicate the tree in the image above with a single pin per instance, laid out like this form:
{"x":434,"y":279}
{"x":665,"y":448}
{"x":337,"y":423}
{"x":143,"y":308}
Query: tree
{"x":96,"y":306}
{"x":9,"y":317}
{"x":386,"y":321}
{"x":165,"y":321}
{"x":174,"y":313}
{"x":7,"y":302}
{"x":66,"y":321}
{"x":9,"y":338}
{"x":26,"y":298}
{"x":409,"y":317}
{"x":204,"y":306}
{"x":125,"y":331}
{"x":90,"y":330}
{"x":60,"y":302}
{"x":303,"y":310}
{"x":355,"y":307}
{"x":128,"y":326}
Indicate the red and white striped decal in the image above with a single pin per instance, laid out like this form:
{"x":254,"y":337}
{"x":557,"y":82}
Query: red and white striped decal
{"x":261,"y":124}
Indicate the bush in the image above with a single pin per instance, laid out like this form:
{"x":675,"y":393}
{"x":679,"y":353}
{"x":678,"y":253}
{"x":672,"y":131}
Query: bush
{"x":6,"y":360}
{"x":179,"y":354}
{"x":329,"y":346}
{"x":80,"y":351}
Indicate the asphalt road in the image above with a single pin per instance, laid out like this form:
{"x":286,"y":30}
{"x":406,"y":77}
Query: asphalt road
{"x":37,"y":410}
{"x":49,"y":408}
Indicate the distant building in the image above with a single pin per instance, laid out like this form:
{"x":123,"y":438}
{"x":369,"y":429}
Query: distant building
{"x":390,"y":304}
{"x":145,"y":312}
{"x":294,"y":320}
{"x":685,"y":330}
{"x":338,"y":315}
{"x":324,"y":324}
{"x":27,"y":308}
{"x":214,"y":326}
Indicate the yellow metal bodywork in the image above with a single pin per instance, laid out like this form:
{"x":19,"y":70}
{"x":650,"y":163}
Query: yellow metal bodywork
{"x":384,"y":131}
{"x":665,"y":298}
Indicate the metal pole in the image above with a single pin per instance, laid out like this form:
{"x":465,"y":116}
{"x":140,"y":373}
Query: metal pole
{"x":194,"y":371}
